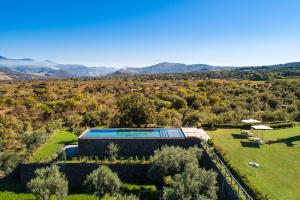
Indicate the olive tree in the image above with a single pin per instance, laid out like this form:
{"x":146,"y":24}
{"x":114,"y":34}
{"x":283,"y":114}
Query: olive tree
{"x":49,"y":181}
{"x":193,"y":183}
{"x":102,"y":181}
{"x":170,"y":160}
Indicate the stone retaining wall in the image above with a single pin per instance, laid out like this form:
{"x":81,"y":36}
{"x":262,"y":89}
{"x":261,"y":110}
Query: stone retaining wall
{"x":132,"y":147}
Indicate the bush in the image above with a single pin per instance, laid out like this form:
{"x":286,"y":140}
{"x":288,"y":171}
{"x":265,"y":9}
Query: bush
{"x":48,"y":181}
{"x":102,"y":181}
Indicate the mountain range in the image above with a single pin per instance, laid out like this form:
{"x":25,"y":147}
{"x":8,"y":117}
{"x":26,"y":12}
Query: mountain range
{"x":31,"y":69}
{"x":48,"y":68}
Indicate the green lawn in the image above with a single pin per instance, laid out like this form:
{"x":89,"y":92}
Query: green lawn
{"x":14,"y":190}
{"x":28,"y":196}
{"x":278,"y":174}
{"x":53,"y":145}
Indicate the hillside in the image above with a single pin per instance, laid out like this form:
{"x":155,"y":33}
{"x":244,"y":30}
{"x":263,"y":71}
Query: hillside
{"x":7,"y":74}
{"x":49,"y":68}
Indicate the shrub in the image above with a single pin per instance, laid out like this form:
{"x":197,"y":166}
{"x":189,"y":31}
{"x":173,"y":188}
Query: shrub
{"x":48,"y":181}
{"x":102,"y":181}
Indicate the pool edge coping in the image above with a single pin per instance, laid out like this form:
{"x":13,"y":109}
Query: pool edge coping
{"x":81,"y":137}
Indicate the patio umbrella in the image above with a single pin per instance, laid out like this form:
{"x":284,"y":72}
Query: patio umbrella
{"x":251,"y":121}
{"x":261,"y":127}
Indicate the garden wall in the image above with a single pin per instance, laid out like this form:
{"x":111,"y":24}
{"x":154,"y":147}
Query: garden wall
{"x":76,"y":172}
{"x":131,"y":147}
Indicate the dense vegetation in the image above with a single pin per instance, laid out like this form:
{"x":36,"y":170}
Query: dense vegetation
{"x":30,"y":111}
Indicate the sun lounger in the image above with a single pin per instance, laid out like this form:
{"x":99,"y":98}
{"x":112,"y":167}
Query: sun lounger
{"x":254,"y":164}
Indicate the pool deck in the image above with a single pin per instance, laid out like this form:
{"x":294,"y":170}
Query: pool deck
{"x":195,"y":132}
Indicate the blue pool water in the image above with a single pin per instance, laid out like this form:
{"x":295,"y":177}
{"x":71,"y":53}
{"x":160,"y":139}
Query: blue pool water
{"x":134,"y":133}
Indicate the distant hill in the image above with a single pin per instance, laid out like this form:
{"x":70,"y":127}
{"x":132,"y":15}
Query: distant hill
{"x":7,"y":74}
{"x":166,"y":67}
{"x":49,"y":69}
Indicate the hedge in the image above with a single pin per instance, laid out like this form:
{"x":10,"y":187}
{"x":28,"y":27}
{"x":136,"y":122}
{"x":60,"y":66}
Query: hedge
{"x":137,"y":188}
{"x":247,"y":126}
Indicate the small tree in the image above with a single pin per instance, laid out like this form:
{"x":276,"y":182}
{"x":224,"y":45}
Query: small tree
{"x":48,"y":181}
{"x":112,"y":150}
{"x":171,"y":160}
{"x":102,"y":181}
{"x":193,"y":183}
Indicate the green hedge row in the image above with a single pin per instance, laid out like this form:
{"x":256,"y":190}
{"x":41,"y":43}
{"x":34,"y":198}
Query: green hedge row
{"x":247,"y":126}
{"x":241,"y":177}
{"x":126,"y":187}
{"x":282,"y":125}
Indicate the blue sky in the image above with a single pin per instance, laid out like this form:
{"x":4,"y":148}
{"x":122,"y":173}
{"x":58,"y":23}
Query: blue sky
{"x":144,"y":32}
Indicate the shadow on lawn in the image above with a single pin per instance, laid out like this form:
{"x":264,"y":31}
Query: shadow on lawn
{"x":239,"y":136}
{"x":288,"y":141}
{"x":249,"y":144}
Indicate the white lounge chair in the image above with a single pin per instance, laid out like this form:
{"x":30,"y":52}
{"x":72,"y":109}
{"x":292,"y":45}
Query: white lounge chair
{"x":254,"y":164}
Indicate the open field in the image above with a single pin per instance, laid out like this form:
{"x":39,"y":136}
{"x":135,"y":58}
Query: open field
{"x":53,"y":145}
{"x":278,"y":175}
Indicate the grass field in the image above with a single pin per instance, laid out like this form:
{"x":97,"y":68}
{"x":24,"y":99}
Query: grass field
{"x":279,"y":159}
{"x":53,"y":145}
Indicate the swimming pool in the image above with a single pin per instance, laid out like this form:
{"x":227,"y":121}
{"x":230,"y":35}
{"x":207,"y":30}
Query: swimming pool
{"x":133,"y":133}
